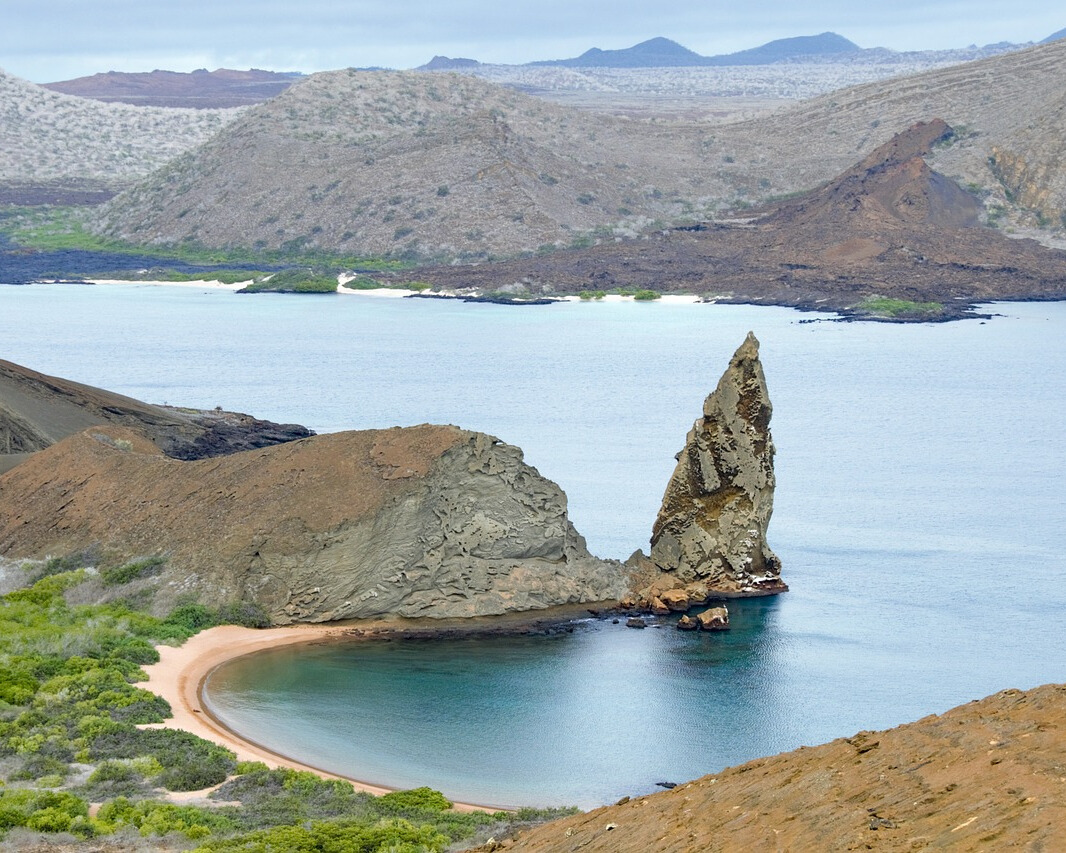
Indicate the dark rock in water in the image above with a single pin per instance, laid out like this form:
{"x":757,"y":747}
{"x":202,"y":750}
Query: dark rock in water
{"x":687,"y":623}
{"x":667,"y":785}
{"x":710,"y":535}
{"x":636,"y":622}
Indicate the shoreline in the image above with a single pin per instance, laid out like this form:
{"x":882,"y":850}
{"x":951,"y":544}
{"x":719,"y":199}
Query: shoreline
{"x":180,"y":674}
{"x":182,"y":671}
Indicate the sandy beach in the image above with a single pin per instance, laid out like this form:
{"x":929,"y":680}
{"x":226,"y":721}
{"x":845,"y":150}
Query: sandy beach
{"x":180,"y":674}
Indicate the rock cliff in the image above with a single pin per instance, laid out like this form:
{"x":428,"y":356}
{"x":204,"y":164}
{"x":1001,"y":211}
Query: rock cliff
{"x":420,"y":521}
{"x":709,"y":539}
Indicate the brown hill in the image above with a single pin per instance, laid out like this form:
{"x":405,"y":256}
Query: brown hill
{"x":990,"y":775}
{"x":37,"y":410}
{"x":419,"y":521}
{"x":437,"y":164}
{"x":887,"y":227}
{"x":200,"y":89}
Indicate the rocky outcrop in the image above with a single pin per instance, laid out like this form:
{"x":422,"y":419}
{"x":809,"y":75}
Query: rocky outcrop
{"x":709,"y":539}
{"x":987,"y":775}
{"x":421,"y":521}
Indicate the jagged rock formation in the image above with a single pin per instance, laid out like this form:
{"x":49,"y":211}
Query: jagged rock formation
{"x":987,"y":775}
{"x":709,"y":539}
{"x":37,"y":410}
{"x":421,"y":521}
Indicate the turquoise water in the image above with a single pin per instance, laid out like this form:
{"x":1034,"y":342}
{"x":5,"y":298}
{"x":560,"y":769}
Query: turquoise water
{"x":920,"y":517}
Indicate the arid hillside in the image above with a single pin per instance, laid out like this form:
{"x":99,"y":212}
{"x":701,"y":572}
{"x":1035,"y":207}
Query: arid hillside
{"x":888,"y":228}
{"x":50,"y":138}
{"x":442,"y":165}
{"x":989,"y":775}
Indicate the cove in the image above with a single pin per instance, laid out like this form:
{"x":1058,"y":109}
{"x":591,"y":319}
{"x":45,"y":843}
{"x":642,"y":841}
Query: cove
{"x":920,"y":518}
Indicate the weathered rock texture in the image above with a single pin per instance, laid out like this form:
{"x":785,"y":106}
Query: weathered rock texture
{"x":421,"y":521}
{"x":710,"y":535}
{"x":989,"y":775}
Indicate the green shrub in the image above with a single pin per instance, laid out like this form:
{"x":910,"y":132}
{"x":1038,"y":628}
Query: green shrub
{"x":399,"y":802}
{"x":293,"y":281}
{"x":189,"y":763}
{"x":131,"y":571}
{"x":592,"y":294}
{"x":646,"y":295}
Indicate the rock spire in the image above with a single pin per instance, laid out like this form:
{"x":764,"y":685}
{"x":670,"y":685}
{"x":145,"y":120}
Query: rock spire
{"x":710,"y":535}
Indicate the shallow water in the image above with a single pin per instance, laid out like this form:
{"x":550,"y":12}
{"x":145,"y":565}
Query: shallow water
{"x":920,"y":517}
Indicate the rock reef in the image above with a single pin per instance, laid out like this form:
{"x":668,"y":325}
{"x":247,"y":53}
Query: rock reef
{"x":709,"y":539}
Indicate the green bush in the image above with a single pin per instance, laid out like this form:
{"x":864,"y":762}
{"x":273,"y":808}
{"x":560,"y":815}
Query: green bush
{"x":399,"y":802}
{"x":592,"y":294}
{"x":646,"y":295}
{"x":189,"y":763}
{"x":131,"y":571}
{"x":293,"y":281}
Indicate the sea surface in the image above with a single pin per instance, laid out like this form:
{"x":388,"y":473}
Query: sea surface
{"x":920,"y":517}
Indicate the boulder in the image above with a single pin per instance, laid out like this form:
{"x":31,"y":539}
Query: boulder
{"x":711,"y":529}
{"x":714,"y":619}
{"x":636,"y":622}
{"x":687,"y":623}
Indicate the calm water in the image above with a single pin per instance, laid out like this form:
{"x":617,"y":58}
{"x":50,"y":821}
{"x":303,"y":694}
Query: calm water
{"x":920,"y":516}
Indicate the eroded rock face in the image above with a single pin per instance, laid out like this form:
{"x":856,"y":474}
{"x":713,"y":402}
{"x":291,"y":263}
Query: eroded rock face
{"x":420,"y":521}
{"x":710,"y":535}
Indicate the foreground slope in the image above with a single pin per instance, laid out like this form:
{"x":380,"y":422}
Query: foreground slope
{"x":442,"y":165}
{"x":990,"y":775}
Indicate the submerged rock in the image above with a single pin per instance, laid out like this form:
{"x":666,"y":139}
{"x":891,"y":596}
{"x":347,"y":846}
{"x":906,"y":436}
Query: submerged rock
{"x":709,"y":538}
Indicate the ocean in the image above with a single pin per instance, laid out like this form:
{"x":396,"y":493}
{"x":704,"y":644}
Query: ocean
{"x":920,"y":519}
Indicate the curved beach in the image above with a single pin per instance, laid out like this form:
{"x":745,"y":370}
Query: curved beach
{"x":181,"y":671}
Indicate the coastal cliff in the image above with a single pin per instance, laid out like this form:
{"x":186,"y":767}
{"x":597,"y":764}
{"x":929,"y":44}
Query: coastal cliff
{"x":709,"y":539}
{"x":421,"y":521}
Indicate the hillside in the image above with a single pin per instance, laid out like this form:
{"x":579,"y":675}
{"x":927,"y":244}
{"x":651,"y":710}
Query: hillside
{"x":48,"y":138}
{"x":888,"y":228}
{"x":201,"y":89}
{"x":988,"y":775}
{"x":442,"y":165}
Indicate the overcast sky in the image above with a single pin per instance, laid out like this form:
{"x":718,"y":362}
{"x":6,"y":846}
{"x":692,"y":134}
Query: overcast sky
{"x":49,"y":40}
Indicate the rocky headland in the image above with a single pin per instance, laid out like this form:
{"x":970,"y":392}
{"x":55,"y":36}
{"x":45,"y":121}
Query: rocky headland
{"x":425,"y":521}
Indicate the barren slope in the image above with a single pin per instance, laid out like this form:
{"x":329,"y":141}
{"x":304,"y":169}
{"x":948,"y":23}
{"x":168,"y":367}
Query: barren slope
{"x":423,"y":165}
{"x":990,"y":775}
{"x":49,"y":137}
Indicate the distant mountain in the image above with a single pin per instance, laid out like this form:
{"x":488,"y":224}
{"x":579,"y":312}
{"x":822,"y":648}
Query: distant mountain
{"x":200,"y":89}
{"x":446,"y":63}
{"x":1061,"y":34}
{"x":783,"y":50}
{"x":653,"y":53}
{"x":664,"y":53}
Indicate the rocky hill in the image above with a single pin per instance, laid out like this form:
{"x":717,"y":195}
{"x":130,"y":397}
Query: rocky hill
{"x":989,"y":775}
{"x":37,"y":410}
{"x":201,"y":89}
{"x":49,"y":138}
{"x":417,"y":165}
{"x":889,"y":227}
{"x":420,"y":521}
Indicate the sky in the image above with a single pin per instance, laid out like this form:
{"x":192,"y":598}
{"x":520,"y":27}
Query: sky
{"x":49,"y":40}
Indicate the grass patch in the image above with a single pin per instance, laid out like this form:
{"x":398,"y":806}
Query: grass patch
{"x":117,"y":575}
{"x":881,"y":306}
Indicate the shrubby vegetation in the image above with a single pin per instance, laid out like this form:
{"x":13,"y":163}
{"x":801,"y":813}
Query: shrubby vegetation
{"x":70,"y":711}
{"x":899,"y":308}
{"x":293,"y":281}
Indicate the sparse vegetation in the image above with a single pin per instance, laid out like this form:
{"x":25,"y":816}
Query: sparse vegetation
{"x":646,"y":295}
{"x":898,"y":309}
{"x":293,"y":281}
{"x":586,"y":295}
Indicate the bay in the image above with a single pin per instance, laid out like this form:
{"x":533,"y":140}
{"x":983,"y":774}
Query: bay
{"x":919,"y":516}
